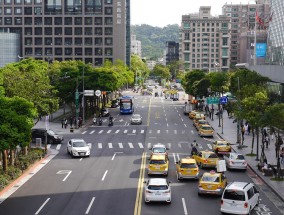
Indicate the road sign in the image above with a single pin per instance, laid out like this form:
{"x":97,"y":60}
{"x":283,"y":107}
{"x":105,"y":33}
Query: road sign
{"x":98,"y":93}
{"x":213,"y":100}
{"x":224,"y":100}
{"x":88,"y":92}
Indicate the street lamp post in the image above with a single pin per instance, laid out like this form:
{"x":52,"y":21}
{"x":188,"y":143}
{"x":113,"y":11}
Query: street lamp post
{"x":83,"y":100}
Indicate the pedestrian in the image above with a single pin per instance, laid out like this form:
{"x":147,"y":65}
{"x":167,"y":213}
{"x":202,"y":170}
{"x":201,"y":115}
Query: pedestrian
{"x":212,"y":112}
{"x":249,"y":129}
{"x":71,"y":121}
{"x":243,"y":133}
{"x":207,"y":110}
{"x":282,"y":155}
{"x":80,"y":122}
{"x":62,"y":123}
{"x":272,"y":133}
{"x":65,"y":123}
{"x":246,"y":128}
{"x":267,"y":141}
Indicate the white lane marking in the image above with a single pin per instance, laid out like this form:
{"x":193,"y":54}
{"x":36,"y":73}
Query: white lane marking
{"x":48,"y":146}
{"x":192,"y":131}
{"x":150,"y":131}
{"x":134,"y":131}
{"x":175,"y":131}
{"x":178,"y":157}
{"x":181,"y":119}
{"x":117,"y":131}
{"x":167,"y":124}
{"x":142,"y":131}
{"x":183,"y":131}
{"x":158,"y":131}
{"x":167,"y":131}
{"x":175,"y":107}
{"x":103,"y":178}
{"x":174,"y":155}
{"x":90,"y":205}
{"x":179,"y":114}
{"x":58,"y":147}
{"x":166,"y":119}
{"x":130,"y":145}
{"x":41,"y":207}
{"x":80,"y":159}
{"x":184,"y":206}
{"x":84,"y":132}
{"x":185,"y":125}
{"x":169,"y":144}
{"x":125,"y":131}
{"x":90,"y":145}
{"x":67,"y":172}
{"x":110,"y":145}
{"x":140,"y":145}
{"x":200,"y":147}
{"x":108,"y":131}
{"x":101,"y":131}
{"x":126,"y":124}
{"x":165,"y":115}
{"x":120,"y":145}
{"x":100,"y":145}
{"x":179,"y":145}
{"x":115,"y":155}
{"x":209,"y":146}
{"x":93,"y":131}
{"x":149,"y":145}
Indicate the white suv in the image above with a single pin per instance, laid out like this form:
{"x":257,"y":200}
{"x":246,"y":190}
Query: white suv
{"x":157,"y":189}
{"x":239,"y":198}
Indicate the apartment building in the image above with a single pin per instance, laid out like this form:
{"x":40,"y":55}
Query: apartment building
{"x":171,"y":52}
{"x":136,"y":46}
{"x":205,"y":41}
{"x":93,"y":30}
{"x":242,"y":18}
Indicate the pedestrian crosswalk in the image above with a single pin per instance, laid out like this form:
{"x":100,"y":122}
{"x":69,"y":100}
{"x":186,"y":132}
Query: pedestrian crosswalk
{"x":136,"y":131}
{"x":139,"y":145}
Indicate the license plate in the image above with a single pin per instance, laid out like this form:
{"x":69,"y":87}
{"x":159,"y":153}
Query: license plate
{"x":82,"y":153}
{"x":188,"y":172}
{"x":158,"y":194}
{"x":157,"y":167}
{"x":209,"y":186}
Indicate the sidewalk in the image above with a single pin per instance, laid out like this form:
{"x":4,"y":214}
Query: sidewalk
{"x":230,"y":134}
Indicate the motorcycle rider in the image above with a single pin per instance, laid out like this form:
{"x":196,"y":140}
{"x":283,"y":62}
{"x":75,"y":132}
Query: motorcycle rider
{"x":194,"y":146}
{"x":100,"y":120}
{"x":110,"y":120}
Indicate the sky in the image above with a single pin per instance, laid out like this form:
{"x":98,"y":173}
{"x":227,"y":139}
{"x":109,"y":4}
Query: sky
{"x":161,"y":13}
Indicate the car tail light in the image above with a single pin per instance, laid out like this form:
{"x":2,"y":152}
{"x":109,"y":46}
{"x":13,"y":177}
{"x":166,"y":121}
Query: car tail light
{"x":246,"y":205}
{"x":219,"y":187}
{"x":232,"y":162}
{"x":222,"y":202}
{"x":148,"y":191}
{"x":245,"y":163}
{"x":168,"y":191}
{"x":205,"y":161}
{"x":199,"y":185}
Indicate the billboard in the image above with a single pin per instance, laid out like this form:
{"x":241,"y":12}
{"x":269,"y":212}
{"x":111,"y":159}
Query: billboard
{"x":260,"y":50}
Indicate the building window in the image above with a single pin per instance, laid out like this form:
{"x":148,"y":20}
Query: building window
{"x":98,"y":41}
{"x":186,"y":36}
{"x":68,"y":31}
{"x":28,"y":21}
{"x":38,"y":10}
{"x":108,"y":20}
{"x":58,"y":51}
{"x":68,"y":41}
{"x":108,"y":10}
{"x":98,"y":21}
{"x":48,"y":21}
{"x":108,"y":41}
{"x":88,"y":21}
{"x":28,"y":41}
{"x":58,"y":31}
{"x":18,"y":20}
{"x":8,"y":11}
{"x":186,"y":46}
{"x":78,"y":31}
{"x":58,"y":41}
{"x":108,"y":31}
{"x":18,"y":10}
{"x":38,"y":31}
{"x":68,"y":20}
{"x":38,"y":41}
{"x":78,"y":21}
{"x":78,"y":51}
{"x":98,"y":51}
{"x":38,"y":1}
{"x":88,"y":41}
{"x":58,"y":21}
{"x":48,"y":41}
{"x":48,"y":31}
{"x":38,"y":51}
{"x":48,"y":51}
{"x":8,"y":21}
{"x":88,"y":51}
{"x":98,"y":31}
{"x":38,"y":21}
{"x":88,"y":31}
{"x":28,"y":51}
{"x":108,"y":51}
{"x":108,"y":1}
{"x":16,"y":1}
{"x":7,"y":2}
{"x":78,"y":42}
{"x":28,"y":31}
{"x":68,"y":51}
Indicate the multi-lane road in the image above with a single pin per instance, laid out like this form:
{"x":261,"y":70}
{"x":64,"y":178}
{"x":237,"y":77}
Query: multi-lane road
{"x":111,"y":180}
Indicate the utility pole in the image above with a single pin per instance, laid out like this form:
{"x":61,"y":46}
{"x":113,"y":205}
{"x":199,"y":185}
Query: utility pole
{"x":83,"y":100}
{"x":77,"y":103}
{"x":238,"y":121}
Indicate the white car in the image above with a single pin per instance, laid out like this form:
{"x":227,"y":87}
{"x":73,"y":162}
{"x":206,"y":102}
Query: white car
{"x":158,"y":190}
{"x":239,"y":198}
{"x":235,"y":161}
{"x":159,"y":149}
{"x":78,"y":148}
{"x":136,"y":119}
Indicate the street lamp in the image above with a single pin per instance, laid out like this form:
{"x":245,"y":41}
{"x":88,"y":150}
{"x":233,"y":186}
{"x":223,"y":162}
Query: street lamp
{"x":83,"y":100}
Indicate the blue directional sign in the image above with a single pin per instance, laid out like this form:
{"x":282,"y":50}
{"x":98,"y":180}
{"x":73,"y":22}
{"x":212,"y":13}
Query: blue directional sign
{"x":224,"y":100}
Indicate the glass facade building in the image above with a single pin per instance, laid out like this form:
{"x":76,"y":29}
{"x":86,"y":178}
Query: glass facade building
{"x":10,"y":48}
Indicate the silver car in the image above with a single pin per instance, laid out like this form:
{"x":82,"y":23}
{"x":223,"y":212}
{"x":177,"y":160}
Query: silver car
{"x":136,"y":119}
{"x":157,"y":190}
{"x":235,"y":161}
{"x":78,"y":148}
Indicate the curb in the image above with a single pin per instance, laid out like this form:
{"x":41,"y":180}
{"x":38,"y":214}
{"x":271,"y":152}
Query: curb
{"x":260,"y":176}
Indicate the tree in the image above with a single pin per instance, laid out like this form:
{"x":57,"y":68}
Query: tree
{"x":200,"y":88}
{"x":29,"y":79}
{"x":16,"y":116}
{"x":190,"y":78}
{"x":219,"y":81}
{"x":161,"y":71}
{"x":139,"y":68}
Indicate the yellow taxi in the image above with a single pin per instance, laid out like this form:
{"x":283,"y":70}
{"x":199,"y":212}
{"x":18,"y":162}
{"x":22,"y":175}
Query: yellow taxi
{"x":206,"y":159}
{"x":158,"y":164}
{"x":187,"y":168}
{"x":199,"y":116}
{"x":192,"y":114}
{"x":221,"y":147}
{"x":200,"y":122}
{"x":212,"y":183}
{"x":205,"y":131}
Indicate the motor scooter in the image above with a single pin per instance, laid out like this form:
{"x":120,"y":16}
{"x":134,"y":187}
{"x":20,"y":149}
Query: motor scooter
{"x":110,"y":123}
{"x":100,"y":121}
{"x":94,"y":120}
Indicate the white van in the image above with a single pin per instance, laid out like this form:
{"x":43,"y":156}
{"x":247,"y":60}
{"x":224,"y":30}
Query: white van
{"x":239,"y":198}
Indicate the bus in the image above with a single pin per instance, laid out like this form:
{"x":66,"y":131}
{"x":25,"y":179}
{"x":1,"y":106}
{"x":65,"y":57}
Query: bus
{"x":126,"y":104}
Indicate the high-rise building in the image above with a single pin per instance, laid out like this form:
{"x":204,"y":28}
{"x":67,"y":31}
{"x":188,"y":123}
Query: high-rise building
{"x":242,"y":18}
{"x":275,"y":52}
{"x":172,"y":52}
{"x":91,"y":30}
{"x":204,"y":41}
{"x":136,"y":46}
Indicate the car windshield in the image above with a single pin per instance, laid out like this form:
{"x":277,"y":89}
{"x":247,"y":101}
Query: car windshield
{"x":206,"y":128}
{"x":159,"y":150}
{"x":234,"y":195}
{"x":125,"y":105}
{"x":50,"y":132}
{"x":210,"y":155}
{"x":157,"y":162}
{"x":202,"y":122}
{"x":136,"y":117}
{"x":238,"y":157}
{"x":79,"y":144}
{"x":188,"y":165}
{"x":222,"y":144}
{"x":213,"y":178}
{"x":157,"y":187}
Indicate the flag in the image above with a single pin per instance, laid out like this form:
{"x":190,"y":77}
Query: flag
{"x":258,"y":19}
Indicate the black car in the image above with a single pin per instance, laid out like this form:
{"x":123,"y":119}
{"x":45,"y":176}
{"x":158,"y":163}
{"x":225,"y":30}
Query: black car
{"x":104,"y":112}
{"x":52,"y":137}
{"x":114,"y":103}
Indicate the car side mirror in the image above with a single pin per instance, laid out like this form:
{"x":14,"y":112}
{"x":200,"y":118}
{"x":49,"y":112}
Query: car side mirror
{"x":89,"y":144}
{"x":145,"y":182}
{"x":176,"y":162}
{"x":167,"y":148}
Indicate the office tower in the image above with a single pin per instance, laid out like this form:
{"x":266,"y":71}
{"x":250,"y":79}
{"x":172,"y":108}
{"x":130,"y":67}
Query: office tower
{"x":204,"y":41}
{"x":91,"y":30}
{"x":136,"y":46}
{"x":172,"y":52}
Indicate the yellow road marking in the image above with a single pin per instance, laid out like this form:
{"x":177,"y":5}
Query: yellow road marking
{"x":139,"y":195}
{"x":157,"y":115}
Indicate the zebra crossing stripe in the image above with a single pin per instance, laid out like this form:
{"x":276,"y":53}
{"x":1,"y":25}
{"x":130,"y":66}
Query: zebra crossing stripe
{"x":101,"y":131}
{"x":200,"y":147}
{"x":90,"y":144}
{"x":134,"y":131}
{"x":110,"y":145}
{"x":58,"y":147}
{"x":169,"y":144}
{"x":125,"y":131}
{"x":149,"y":145}
{"x":84,"y":132}
{"x":140,"y":145}
{"x":175,"y":131}
{"x":158,"y":131}
{"x":48,"y":146}
{"x":130,"y":145}
{"x":142,"y":131}
{"x":120,"y":145}
{"x":150,"y":131}
{"x":209,"y":146}
{"x":93,"y":131}
{"x":116,"y":131}
{"x":183,"y":131}
{"x":179,"y":145}
{"x":108,"y":131}
{"x":100,"y":145}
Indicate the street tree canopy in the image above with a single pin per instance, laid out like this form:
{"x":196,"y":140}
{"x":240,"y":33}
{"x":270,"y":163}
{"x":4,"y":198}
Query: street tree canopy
{"x":190,"y":78}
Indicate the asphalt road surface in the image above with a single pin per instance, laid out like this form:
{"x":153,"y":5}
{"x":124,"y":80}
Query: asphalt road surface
{"x":111,"y":180}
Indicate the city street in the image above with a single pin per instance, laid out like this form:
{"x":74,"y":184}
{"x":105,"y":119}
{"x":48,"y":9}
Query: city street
{"x":111,"y":180}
